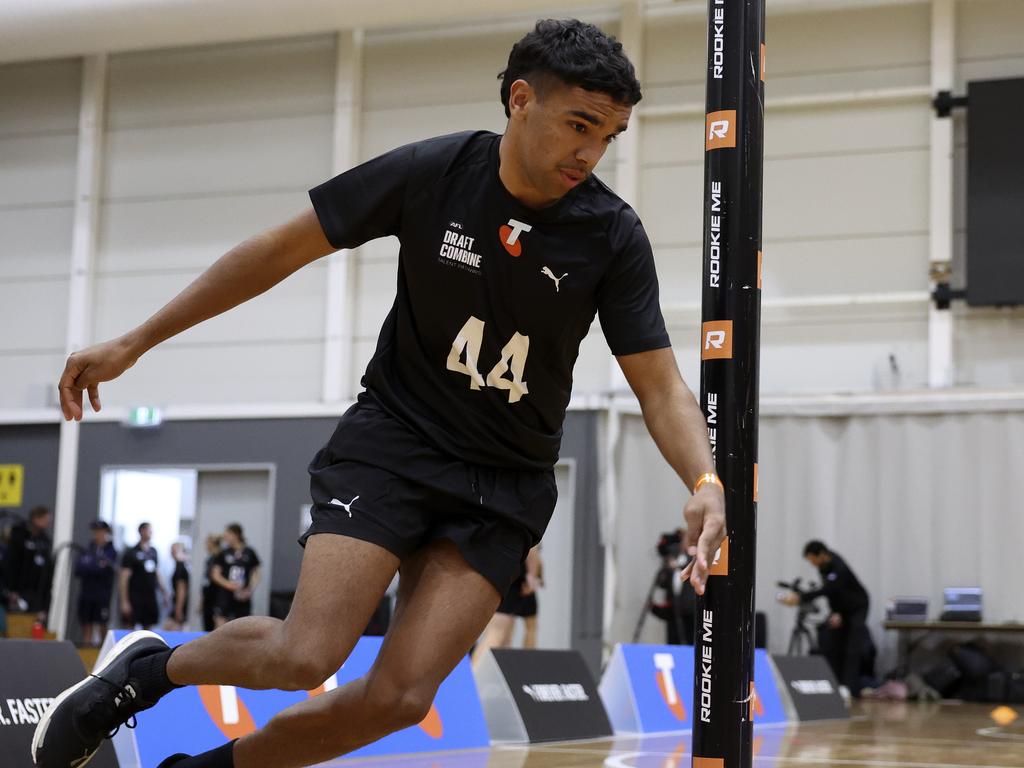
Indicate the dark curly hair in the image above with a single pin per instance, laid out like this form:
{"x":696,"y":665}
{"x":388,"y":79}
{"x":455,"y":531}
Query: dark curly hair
{"x":574,"y":53}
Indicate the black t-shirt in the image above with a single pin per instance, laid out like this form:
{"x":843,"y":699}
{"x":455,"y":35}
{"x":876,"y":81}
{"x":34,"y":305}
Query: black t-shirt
{"x":181,"y":575}
{"x":846,"y":595}
{"x":95,"y":567}
{"x":237,"y":565}
{"x":143,"y":565}
{"x":493,"y":298}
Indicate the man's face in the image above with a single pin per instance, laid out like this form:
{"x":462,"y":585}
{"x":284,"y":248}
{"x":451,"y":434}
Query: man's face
{"x":99,"y":535}
{"x":816,"y":560}
{"x":42,"y":522}
{"x":145,"y":534}
{"x":562,"y":134}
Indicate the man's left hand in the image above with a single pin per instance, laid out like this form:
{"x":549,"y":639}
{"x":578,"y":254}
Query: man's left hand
{"x":705,"y":531}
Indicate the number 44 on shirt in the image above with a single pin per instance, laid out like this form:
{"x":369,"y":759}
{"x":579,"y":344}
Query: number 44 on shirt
{"x":513,"y":357}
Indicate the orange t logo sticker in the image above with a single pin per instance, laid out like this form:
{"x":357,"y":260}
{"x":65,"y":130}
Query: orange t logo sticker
{"x":509,"y":236}
{"x":720,"y":130}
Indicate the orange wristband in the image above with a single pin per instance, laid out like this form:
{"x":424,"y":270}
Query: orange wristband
{"x":707,"y":477}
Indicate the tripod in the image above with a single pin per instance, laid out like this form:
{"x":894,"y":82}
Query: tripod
{"x":647,"y":609}
{"x":801,"y":639}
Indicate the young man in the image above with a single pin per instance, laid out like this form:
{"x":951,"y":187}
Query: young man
{"x":95,"y":567}
{"x":177,"y":619}
{"x":140,"y":583}
{"x":236,"y":570}
{"x":845,"y":640}
{"x":27,"y":563}
{"x":443,"y":468}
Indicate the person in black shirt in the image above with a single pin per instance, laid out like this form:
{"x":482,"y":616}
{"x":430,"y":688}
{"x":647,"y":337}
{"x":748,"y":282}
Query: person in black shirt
{"x":140,"y":582}
{"x":236,"y":570}
{"x":27,"y":563}
{"x":177,"y":619}
{"x":210,"y":590}
{"x":510,"y":248}
{"x":844,"y":638}
{"x":95,"y":567}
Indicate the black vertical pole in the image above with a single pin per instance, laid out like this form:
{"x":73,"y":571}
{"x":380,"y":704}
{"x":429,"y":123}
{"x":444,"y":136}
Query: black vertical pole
{"x":730,"y":343}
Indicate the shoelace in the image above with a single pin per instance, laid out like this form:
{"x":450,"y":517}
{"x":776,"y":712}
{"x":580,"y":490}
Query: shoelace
{"x":132,"y":722}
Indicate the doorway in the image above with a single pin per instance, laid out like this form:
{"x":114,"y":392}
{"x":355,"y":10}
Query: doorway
{"x":186,"y":504}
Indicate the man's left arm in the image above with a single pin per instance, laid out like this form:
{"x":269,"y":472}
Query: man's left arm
{"x":675,"y":421}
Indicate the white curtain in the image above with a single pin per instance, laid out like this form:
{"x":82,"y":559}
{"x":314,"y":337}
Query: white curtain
{"x":914,"y":502}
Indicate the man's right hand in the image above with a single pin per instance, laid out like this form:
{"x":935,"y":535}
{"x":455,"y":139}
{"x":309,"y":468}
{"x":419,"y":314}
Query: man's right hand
{"x":126,"y":610}
{"x":85,"y":370}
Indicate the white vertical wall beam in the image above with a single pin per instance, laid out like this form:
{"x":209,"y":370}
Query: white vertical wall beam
{"x":940,"y":227}
{"x":627,"y":148}
{"x":339,"y":336}
{"x":79,"y":329}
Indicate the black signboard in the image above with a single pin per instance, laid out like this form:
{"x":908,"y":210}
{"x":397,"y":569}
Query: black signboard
{"x":32,"y":675}
{"x":554,"y":693}
{"x":811,"y":686}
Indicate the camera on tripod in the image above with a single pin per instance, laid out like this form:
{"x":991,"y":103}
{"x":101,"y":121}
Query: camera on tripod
{"x":801,"y":640}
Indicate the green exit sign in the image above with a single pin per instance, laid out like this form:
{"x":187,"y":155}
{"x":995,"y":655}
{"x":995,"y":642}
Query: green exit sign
{"x":144,"y":416}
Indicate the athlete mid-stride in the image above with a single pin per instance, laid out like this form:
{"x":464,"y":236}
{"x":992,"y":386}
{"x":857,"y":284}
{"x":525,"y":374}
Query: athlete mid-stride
{"x":444,"y":466}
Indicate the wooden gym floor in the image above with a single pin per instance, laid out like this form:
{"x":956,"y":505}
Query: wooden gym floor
{"x":879,"y":735}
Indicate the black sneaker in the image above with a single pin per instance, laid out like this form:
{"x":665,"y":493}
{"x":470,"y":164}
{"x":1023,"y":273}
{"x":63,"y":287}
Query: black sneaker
{"x":173,"y":759}
{"x":75,"y":726}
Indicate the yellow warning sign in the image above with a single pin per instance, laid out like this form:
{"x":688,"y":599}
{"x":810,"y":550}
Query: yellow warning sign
{"x":12,"y":478}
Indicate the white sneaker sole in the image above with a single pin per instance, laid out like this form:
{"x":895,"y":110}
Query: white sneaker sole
{"x":122,"y":645}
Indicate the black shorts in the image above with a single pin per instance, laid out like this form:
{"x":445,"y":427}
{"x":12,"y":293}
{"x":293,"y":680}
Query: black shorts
{"x":518,"y":604}
{"x":379,"y":481}
{"x":92,"y":611}
{"x":144,"y":611}
{"x":228,"y":608}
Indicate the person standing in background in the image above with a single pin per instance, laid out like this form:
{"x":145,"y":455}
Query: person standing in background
{"x":95,"y":567}
{"x":27,"y":564}
{"x":210,"y":590}
{"x":177,"y":621}
{"x":236,"y":571}
{"x":140,"y":582}
{"x":520,"y":601}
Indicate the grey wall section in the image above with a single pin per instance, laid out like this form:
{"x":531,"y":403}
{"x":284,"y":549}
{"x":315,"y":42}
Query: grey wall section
{"x":287,"y":443}
{"x":580,"y":442}
{"x":35,"y":446}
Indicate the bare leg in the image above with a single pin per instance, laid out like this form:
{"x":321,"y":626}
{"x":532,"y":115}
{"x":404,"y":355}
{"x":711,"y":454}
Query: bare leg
{"x":443,"y":605}
{"x":341,"y":583}
{"x":497,"y":635}
{"x":530,"y":637}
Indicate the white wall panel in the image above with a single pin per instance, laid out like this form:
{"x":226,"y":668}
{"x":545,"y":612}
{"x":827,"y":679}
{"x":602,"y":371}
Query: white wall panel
{"x":34,"y":170}
{"x":250,"y":372}
{"x":33,"y":313}
{"x":279,"y":315}
{"x":204,"y":148}
{"x":272,"y":154}
{"x":35,"y":241}
{"x":223,"y":83}
{"x":189,"y":232}
{"x":40,"y":97}
{"x":30,"y":378}
{"x":38,"y":145}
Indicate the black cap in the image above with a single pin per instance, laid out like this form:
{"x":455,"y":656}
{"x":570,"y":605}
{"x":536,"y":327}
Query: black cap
{"x":99,"y":525}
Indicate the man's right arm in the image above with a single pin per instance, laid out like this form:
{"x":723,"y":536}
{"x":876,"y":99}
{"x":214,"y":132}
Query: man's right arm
{"x":244,"y":272}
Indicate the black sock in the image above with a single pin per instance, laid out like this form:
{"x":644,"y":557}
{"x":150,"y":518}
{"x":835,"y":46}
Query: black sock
{"x":151,"y":672}
{"x":221,"y":757}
